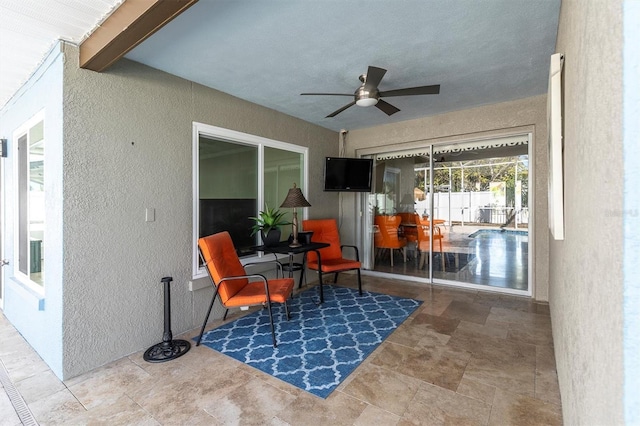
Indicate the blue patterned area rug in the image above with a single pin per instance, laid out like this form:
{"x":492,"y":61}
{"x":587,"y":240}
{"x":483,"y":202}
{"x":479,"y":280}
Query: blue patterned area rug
{"x":321,"y":344}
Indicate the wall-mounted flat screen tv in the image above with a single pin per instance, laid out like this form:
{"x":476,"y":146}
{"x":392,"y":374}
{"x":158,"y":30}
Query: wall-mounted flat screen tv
{"x":348,"y":174}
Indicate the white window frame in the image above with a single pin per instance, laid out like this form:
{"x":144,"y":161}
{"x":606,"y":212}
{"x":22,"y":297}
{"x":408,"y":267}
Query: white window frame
{"x":234,"y":136}
{"x":17,"y":134}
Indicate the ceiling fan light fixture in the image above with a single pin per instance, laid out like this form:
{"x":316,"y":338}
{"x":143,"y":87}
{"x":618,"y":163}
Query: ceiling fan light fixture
{"x":366,"y":98}
{"x":368,"y":93}
{"x":365,"y":102}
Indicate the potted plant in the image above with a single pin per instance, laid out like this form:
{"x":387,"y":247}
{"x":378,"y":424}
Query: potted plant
{"x":268,"y":223}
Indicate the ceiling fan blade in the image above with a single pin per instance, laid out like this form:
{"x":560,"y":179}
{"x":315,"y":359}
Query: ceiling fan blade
{"x":334,"y":113}
{"x":386,"y":107}
{"x":327,"y":94}
{"x":422,"y":90}
{"x":374,"y":76}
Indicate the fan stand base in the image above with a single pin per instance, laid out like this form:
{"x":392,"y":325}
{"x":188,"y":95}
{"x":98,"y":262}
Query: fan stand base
{"x":166,"y":351}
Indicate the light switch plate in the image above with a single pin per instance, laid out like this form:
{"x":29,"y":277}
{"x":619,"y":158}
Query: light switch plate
{"x":150,"y":214}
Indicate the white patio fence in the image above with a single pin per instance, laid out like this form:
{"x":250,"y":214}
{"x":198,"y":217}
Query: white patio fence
{"x":471,"y":207}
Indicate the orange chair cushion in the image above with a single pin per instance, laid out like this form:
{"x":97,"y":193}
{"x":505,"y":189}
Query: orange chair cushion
{"x":325,"y":231}
{"x":411,"y":237}
{"x":407,"y":217}
{"x":335,"y":265}
{"x":254,"y":294}
{"x":424,"y":245}
{"x":280,"y":289}
{"x":387,"y":235}
{"x":222,"y":262}
{"x":411,"y":232}
{"x":423,"y":235}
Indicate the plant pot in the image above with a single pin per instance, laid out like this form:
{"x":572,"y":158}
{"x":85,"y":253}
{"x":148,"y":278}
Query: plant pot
{"x":271,"y":238}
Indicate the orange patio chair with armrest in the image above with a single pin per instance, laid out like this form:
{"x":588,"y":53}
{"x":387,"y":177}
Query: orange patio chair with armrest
{"x":232,"y":284}
{"x":424,"y":242}
{"x":387,"y":237}
{"x":331,"y":259}
{"x":409,"y":226}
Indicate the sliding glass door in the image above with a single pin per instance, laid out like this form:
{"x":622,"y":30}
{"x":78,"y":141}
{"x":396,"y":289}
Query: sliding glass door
{"x":454,"y":213}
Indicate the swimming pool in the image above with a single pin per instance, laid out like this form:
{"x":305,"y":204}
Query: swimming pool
{"x":498,"y":231}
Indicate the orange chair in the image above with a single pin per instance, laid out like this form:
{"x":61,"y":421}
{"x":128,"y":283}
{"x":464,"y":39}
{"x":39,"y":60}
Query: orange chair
{"x":409,"y":226}
{"x":330,"y":260}
{"x":233,"y":285}
{"x":424,"y":243}
{"x":387,"y":235}
{"x":407,"y":217}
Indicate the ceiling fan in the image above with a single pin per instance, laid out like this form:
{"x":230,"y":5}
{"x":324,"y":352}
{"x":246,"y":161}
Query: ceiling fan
{"x":368,"y":94}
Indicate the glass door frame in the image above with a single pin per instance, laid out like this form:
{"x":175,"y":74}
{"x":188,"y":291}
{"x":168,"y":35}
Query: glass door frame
{"x":2,"y":230}
{"x":366,"y":225}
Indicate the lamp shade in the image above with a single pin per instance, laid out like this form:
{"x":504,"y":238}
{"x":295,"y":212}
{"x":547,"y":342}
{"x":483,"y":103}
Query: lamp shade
{"x":295,"y":199}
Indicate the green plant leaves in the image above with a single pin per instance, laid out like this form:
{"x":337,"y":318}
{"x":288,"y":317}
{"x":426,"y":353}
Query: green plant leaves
{"x":268,"y":219}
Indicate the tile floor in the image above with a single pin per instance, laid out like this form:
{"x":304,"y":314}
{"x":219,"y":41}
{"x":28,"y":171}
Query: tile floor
{"x":497,"y":259}
{"x":463,"y":357}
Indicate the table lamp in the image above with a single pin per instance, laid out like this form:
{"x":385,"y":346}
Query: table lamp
{"x":295,"y":199}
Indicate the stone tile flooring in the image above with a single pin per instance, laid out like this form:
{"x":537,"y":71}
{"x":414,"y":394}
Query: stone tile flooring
{"x":463,"y":358}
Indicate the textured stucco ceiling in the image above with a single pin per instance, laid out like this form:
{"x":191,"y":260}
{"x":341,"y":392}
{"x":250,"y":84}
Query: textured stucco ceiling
{"x":268,"y":52}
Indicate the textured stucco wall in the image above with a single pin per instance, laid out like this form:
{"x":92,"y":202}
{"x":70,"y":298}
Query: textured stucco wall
{"x":37,"y":317}
{"x":521,"y":116}
{"x":631,"y":136}
{"x":586,"y":268}
{"x":127,"y":147}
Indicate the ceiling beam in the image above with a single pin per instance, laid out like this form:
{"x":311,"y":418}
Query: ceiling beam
{"x":125,"y":28}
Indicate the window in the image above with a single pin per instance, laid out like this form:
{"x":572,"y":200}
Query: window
{"x":31,"y":201}
{"x":235,"y":176}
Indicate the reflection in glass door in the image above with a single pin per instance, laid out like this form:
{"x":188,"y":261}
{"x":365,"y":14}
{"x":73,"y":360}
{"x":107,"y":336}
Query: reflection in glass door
{"x":481,"y":198}
{"x":462,"y":212}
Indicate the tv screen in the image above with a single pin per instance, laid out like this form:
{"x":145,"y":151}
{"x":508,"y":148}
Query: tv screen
{"x":348,"y":174}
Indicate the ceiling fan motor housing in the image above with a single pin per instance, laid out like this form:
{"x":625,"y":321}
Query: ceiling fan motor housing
{"x":366,"y":97}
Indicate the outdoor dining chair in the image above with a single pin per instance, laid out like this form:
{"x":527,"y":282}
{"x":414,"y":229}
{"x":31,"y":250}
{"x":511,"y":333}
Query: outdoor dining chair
{"x":234,"y":286}
{"x":387,"y":235}
{"x":424,"y":242}
{"x":331,"y":259}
